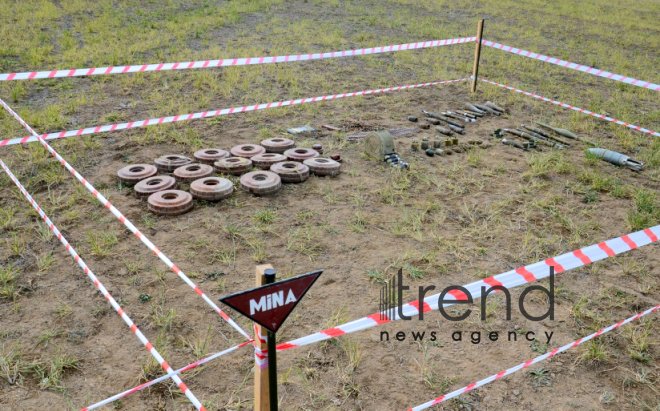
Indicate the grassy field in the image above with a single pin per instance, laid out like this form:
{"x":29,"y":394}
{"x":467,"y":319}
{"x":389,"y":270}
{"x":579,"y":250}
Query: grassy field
{"x":447,"y":221}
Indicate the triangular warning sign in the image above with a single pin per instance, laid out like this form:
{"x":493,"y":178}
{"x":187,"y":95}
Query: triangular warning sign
{"x":270,"y":304}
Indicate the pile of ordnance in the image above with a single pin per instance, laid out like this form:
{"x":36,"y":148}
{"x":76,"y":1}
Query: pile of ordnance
{"x":263,"y":168}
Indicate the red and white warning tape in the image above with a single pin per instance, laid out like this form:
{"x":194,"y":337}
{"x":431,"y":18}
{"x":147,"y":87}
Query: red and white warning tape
{"x":526,"y":364}
{"x":164,"y":377}
{"x":581,"y":110}
{"x":104,"y":291}
{"x":574,"y":66}
{"x":128,"y":224}
{"x":230,"y":61}
{"x":260,"y":356}
{"x":510,"y":279}
{"x":208,"y":114}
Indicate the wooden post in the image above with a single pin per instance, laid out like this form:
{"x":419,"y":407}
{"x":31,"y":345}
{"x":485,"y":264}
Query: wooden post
{"x":477,"y":54}
{"x":261,"y":391}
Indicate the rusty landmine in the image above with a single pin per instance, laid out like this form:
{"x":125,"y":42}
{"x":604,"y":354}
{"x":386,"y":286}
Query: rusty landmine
{"x":154,"y":184}
{"x":337,"y":157}
{"x":210,"y":155}
{"x":171,"y":162}
{"x":211,"y":188}
{"x":261,"y":183}
{"x":323,"y":166}
{"x":247,"y":150}
{"x":301,"y":154}
{"x":193,"y":172}
{"x":318,"y":148}
{"x":233,"y":165}
{"x":278,"y":144}
{"x":291,"y":171}
{"x":135,"y":173}
{"x":170,"y":202}
{"x":265,"y":160}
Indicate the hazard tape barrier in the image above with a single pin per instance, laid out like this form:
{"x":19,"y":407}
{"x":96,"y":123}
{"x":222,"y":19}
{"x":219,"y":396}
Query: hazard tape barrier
{"x":526,"y":364}
{"x":574,"y":66}
{"x":128,"y":224}
{"x":581,"y":110}
{"x":164,"y":377}
{"x":93,"y":71}
{"x":509,"y":279}
{"x":208,"y":114}
{"x":104,"y":291}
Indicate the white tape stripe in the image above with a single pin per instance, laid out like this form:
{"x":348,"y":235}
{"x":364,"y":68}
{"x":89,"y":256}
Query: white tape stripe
{"x":526,"y":364}
{"x":185,"y":117}
{"x":100,"y":286}
{"x":227,"y":62}
{"x":574,"y":66}
{"x":581,"y":110}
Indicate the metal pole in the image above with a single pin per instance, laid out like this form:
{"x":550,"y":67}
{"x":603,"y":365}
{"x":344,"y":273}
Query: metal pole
{"x":477,"y":55}
{"x":272,"y":354}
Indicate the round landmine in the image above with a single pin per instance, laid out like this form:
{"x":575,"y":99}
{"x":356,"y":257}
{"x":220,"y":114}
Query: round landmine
{"x":247,"y":150}
{"x":171,"y":162}
{"x":135,"y":173}
{"x":193,"y":172}
{"x":291,"y":171}
{"x":318,"y":148}
{"x":233,"y":165}
{"x":278,"y":145}
{"x":301,"y":154}
{"x":265,"y":160}
{"x":261,"y":183}
{"x":151,"y":185}
{"x":211,"y":188}
{"x":210,"y":155}
{"x":323,"y":166}
{"x":170,"y":202}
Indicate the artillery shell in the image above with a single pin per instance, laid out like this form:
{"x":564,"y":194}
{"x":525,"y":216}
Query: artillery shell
{"x":412,"y":118}
{"x":433,"y":121}
{"x":457,"y":129}
{"x":494,"y":106}
{"x":443,"y":130}
{"x":487,"y":109}
{"x":425,"y":126}
{"x":474,"y":109}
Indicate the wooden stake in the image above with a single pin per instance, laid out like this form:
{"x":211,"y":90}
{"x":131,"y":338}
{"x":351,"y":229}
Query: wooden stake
{"x":477,"y":54}
{"x":261,"y":391}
